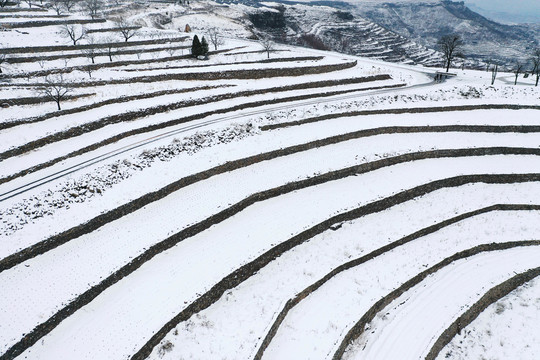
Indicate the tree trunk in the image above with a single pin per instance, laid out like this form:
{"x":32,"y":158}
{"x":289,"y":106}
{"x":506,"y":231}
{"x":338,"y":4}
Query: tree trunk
{"x":448,"y":65}
{"x":537,"y":77}
{"x":515,"y":82}
{"x":58,"y":104}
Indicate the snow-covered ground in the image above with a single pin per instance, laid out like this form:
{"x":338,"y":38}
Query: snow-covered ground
{"x":116,"y":307}
{"x":506,"y":329}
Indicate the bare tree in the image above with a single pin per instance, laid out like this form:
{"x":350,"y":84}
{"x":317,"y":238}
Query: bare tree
{"x":267,"y":44}
{"x":93,"y":7}
{"x":69,"y":4}
{"x":73,"y":32}
{"x":535,"y":59}
{"x":91,"y":52}
{"x":171,"y":51}
{"x":450,"y":45}
{"x":494,"y":72}
{"x":41,"y":62}
{"x":489,"y":61}
{"x":89,"y":69}
{"x":215,"y":37}
{"x":109,"y":41}
{"x":3,"y":3}
{"x":517,"y":70}
{"x":58,"y":6}
{"x":55,"y":89}
{"x":3,"y":59}
{"x":127,"y":29}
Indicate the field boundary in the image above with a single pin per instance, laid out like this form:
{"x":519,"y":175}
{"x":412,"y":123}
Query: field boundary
{"x":291,"y":303}
{"x":359,"y":327}
{"x":416,"y":110}
{"x":491,"y":296}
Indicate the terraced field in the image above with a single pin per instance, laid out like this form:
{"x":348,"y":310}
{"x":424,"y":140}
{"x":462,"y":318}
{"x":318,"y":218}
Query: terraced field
{"x":307,"y":206}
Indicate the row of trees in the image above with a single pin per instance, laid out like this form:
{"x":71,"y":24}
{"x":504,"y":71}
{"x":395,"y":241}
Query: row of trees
{"x":451,"y":48}
{"x":77,"y":32}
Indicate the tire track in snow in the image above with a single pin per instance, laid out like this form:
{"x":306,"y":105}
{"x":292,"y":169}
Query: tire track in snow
{"x":154,"y":127}
{"x":244,"y":272}
{"x":291,"y":303}
{"x":490,"y":297}
{"x":358,"y":329}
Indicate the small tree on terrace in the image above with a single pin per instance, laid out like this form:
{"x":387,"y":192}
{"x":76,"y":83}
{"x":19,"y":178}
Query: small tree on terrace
{"x":204,"y":46}
{"x":535,"y":59}
{"x":196,"y":47}
{"x":127,"y":29}
{"x":93,"y":7}
{"x":267,"y":44}
{"x":518,"y":66}
{"x":55,"y":89}
{"x":91,"y":52}
{"x":450,"y":45}
{"x":73,"y":32}
{"x":69,"y":4}
{"x":109,"y":50}
{"x":58,"y":6}
{"x":215,"y":37}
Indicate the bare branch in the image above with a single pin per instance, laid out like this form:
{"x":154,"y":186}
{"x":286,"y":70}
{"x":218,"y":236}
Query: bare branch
{"x":58,"y":6}
{"x":73,"y":32}
{"x":91,"y":52}
{"x":267,"y":44}
{"x":93,"y":7}
{"x":55,"y":89}
{"x":127,"y":29}
{"x":450,"y":45}
{"x":215,"y":37}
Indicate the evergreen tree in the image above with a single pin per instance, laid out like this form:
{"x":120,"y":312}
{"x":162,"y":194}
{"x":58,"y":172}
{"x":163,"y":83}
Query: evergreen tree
{"x":196,"y":47}
{"x":204,"y":46}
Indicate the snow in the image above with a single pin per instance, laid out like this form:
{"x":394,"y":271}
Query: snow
{"x":229,"y":323}
{"x":116,"y":323}
{"x":225,"y":246}
{"x":506,"y":329}
{"x":413,"y":321}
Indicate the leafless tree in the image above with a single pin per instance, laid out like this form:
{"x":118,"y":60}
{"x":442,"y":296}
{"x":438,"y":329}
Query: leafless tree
{"x":55,"y":89}
{"x":171,"y":51}
{"x":267,"y":44}
{"x":91,"y":52}
{"x":109,"y":50}
{"x":3,"y":3}
{"x":41,"y":62}
{"x":517,"y":70}
{"x":450,"y":45}
{"x":74,"y":32}
{"x":58,"y":6}
{"x":489,"y":61}
{"x":69,"y":4}
{"x":93,"y":7}
{"x":127,"y":29}
{"x":535,"y":59}
{"x":215,"y":37}
{"x":89,"y":69}
{"x":3,"y":59}
{"x":494,"y":72}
